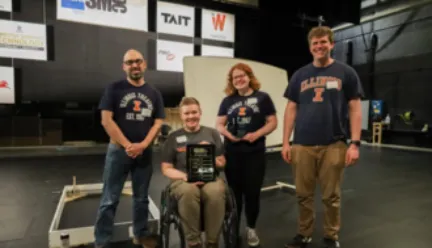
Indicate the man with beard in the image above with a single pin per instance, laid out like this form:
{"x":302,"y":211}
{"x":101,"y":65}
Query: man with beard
{"x":324,"y":98}
{"x":132,"y":114}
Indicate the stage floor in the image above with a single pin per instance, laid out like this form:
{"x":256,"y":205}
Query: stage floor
{"x":386,"y":199}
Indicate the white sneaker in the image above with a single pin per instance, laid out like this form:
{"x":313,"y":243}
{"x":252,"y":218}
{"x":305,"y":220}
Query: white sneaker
{"x":252,"y":237}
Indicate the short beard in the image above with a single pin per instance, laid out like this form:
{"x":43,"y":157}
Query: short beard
{"x":135,"y":77}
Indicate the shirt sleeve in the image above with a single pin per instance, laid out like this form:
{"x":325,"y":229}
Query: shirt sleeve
{"x":220,"y":149}
{"x":267,"y":105}
{"x":107,"y":100}
{"x":292,"y":91}
{"x":223,"y":109}
{"x":160,"y":106}
{"x":353,"y":88}
{"x":168,"y":154}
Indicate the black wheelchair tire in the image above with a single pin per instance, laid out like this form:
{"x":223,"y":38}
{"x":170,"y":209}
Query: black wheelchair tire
{"x":230,"y":226}
{"x":230,"y":231}
{"x":166,"y":219}
{"x":165,"y":233}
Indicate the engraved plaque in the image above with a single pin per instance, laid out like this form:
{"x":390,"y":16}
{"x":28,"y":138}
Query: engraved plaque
{"x":201,"y":162}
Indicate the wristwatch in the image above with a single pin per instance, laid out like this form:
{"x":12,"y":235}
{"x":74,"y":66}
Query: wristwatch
{"x":355,"y":142}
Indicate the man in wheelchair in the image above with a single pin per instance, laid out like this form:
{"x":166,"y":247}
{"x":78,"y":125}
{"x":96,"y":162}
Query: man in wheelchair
{"x":189,"y":195}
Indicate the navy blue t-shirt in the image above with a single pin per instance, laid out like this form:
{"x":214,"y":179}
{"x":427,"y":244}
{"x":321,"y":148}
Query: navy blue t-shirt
{"x":250,"y":110}
{"x":322,"y":96}
{"x":134,"y":108}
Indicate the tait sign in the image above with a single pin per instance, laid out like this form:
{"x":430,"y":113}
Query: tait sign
{"x":126,"y":14}
{"x":175,"y":19}
{"x":217,"y":25}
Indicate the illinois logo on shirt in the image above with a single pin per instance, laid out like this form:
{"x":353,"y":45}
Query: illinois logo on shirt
{"x":138,"y":106}
{"x":320,"y":85}
{"x":242,"y":111}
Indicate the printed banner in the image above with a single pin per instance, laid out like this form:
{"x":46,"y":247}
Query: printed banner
{"x":170,"y":55}
{"x":175,"y":19}
{"x":6,"y":5}
{"x":130,"y":14}
{"x":217,"y":25}
{"x":7,"y":85}
{"x":23,"y":40}
{"x":207,"y":50}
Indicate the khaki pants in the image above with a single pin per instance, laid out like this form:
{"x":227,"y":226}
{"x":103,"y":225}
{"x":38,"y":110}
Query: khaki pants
{"x":189,"y":198}
{"x":324,"y":164}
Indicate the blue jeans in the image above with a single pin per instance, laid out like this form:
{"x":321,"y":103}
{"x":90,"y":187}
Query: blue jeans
{"x":117,"y":167}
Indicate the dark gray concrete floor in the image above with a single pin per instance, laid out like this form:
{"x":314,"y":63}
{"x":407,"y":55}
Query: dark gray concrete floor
{"x":387,"y":199}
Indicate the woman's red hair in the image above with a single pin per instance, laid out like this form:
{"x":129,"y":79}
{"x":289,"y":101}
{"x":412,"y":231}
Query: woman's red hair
{"x":254,"y":83}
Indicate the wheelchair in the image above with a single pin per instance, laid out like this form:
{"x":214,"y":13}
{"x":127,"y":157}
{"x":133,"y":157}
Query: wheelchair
{"x":169,"y":216}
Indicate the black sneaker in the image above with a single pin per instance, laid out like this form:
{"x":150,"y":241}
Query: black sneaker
{"x":299,"y":241}
{"x":330,"y":243}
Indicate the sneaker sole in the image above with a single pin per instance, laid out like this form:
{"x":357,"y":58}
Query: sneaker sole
{"x":253,"y":243}
{"x":304,"y":245}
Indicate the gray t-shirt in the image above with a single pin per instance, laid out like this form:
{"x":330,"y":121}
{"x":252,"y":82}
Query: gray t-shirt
{"x":174,"y":148}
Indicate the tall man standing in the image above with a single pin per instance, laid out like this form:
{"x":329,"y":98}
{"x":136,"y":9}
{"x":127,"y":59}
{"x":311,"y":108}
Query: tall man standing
{"x":324,"y":96}
{"x":132,"y":114}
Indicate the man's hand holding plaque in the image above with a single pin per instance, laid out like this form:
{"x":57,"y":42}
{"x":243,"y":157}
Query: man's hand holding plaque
{"x":220,"y":162}
{"x":185,"y":178}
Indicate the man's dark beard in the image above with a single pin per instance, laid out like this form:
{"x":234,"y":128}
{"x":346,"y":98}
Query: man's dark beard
{"x":135,"y":75}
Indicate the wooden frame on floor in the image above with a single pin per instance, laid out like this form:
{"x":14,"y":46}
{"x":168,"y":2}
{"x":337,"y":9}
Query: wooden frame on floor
{"x":278,"y":185}
{"x":85,"y":235}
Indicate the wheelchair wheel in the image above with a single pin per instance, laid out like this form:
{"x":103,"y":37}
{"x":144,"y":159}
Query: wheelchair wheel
{"x":168,"y":218}
{"x":230,"y":231}
{"x":230,"y":225}
{"x":166,"y":233}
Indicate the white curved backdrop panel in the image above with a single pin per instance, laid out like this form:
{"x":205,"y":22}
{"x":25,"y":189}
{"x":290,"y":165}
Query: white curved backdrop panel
{"x":205,"y":79}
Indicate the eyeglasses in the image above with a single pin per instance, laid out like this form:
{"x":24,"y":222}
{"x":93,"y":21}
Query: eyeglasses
{"x":239,"y":76}
{"x":131,"y":61}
